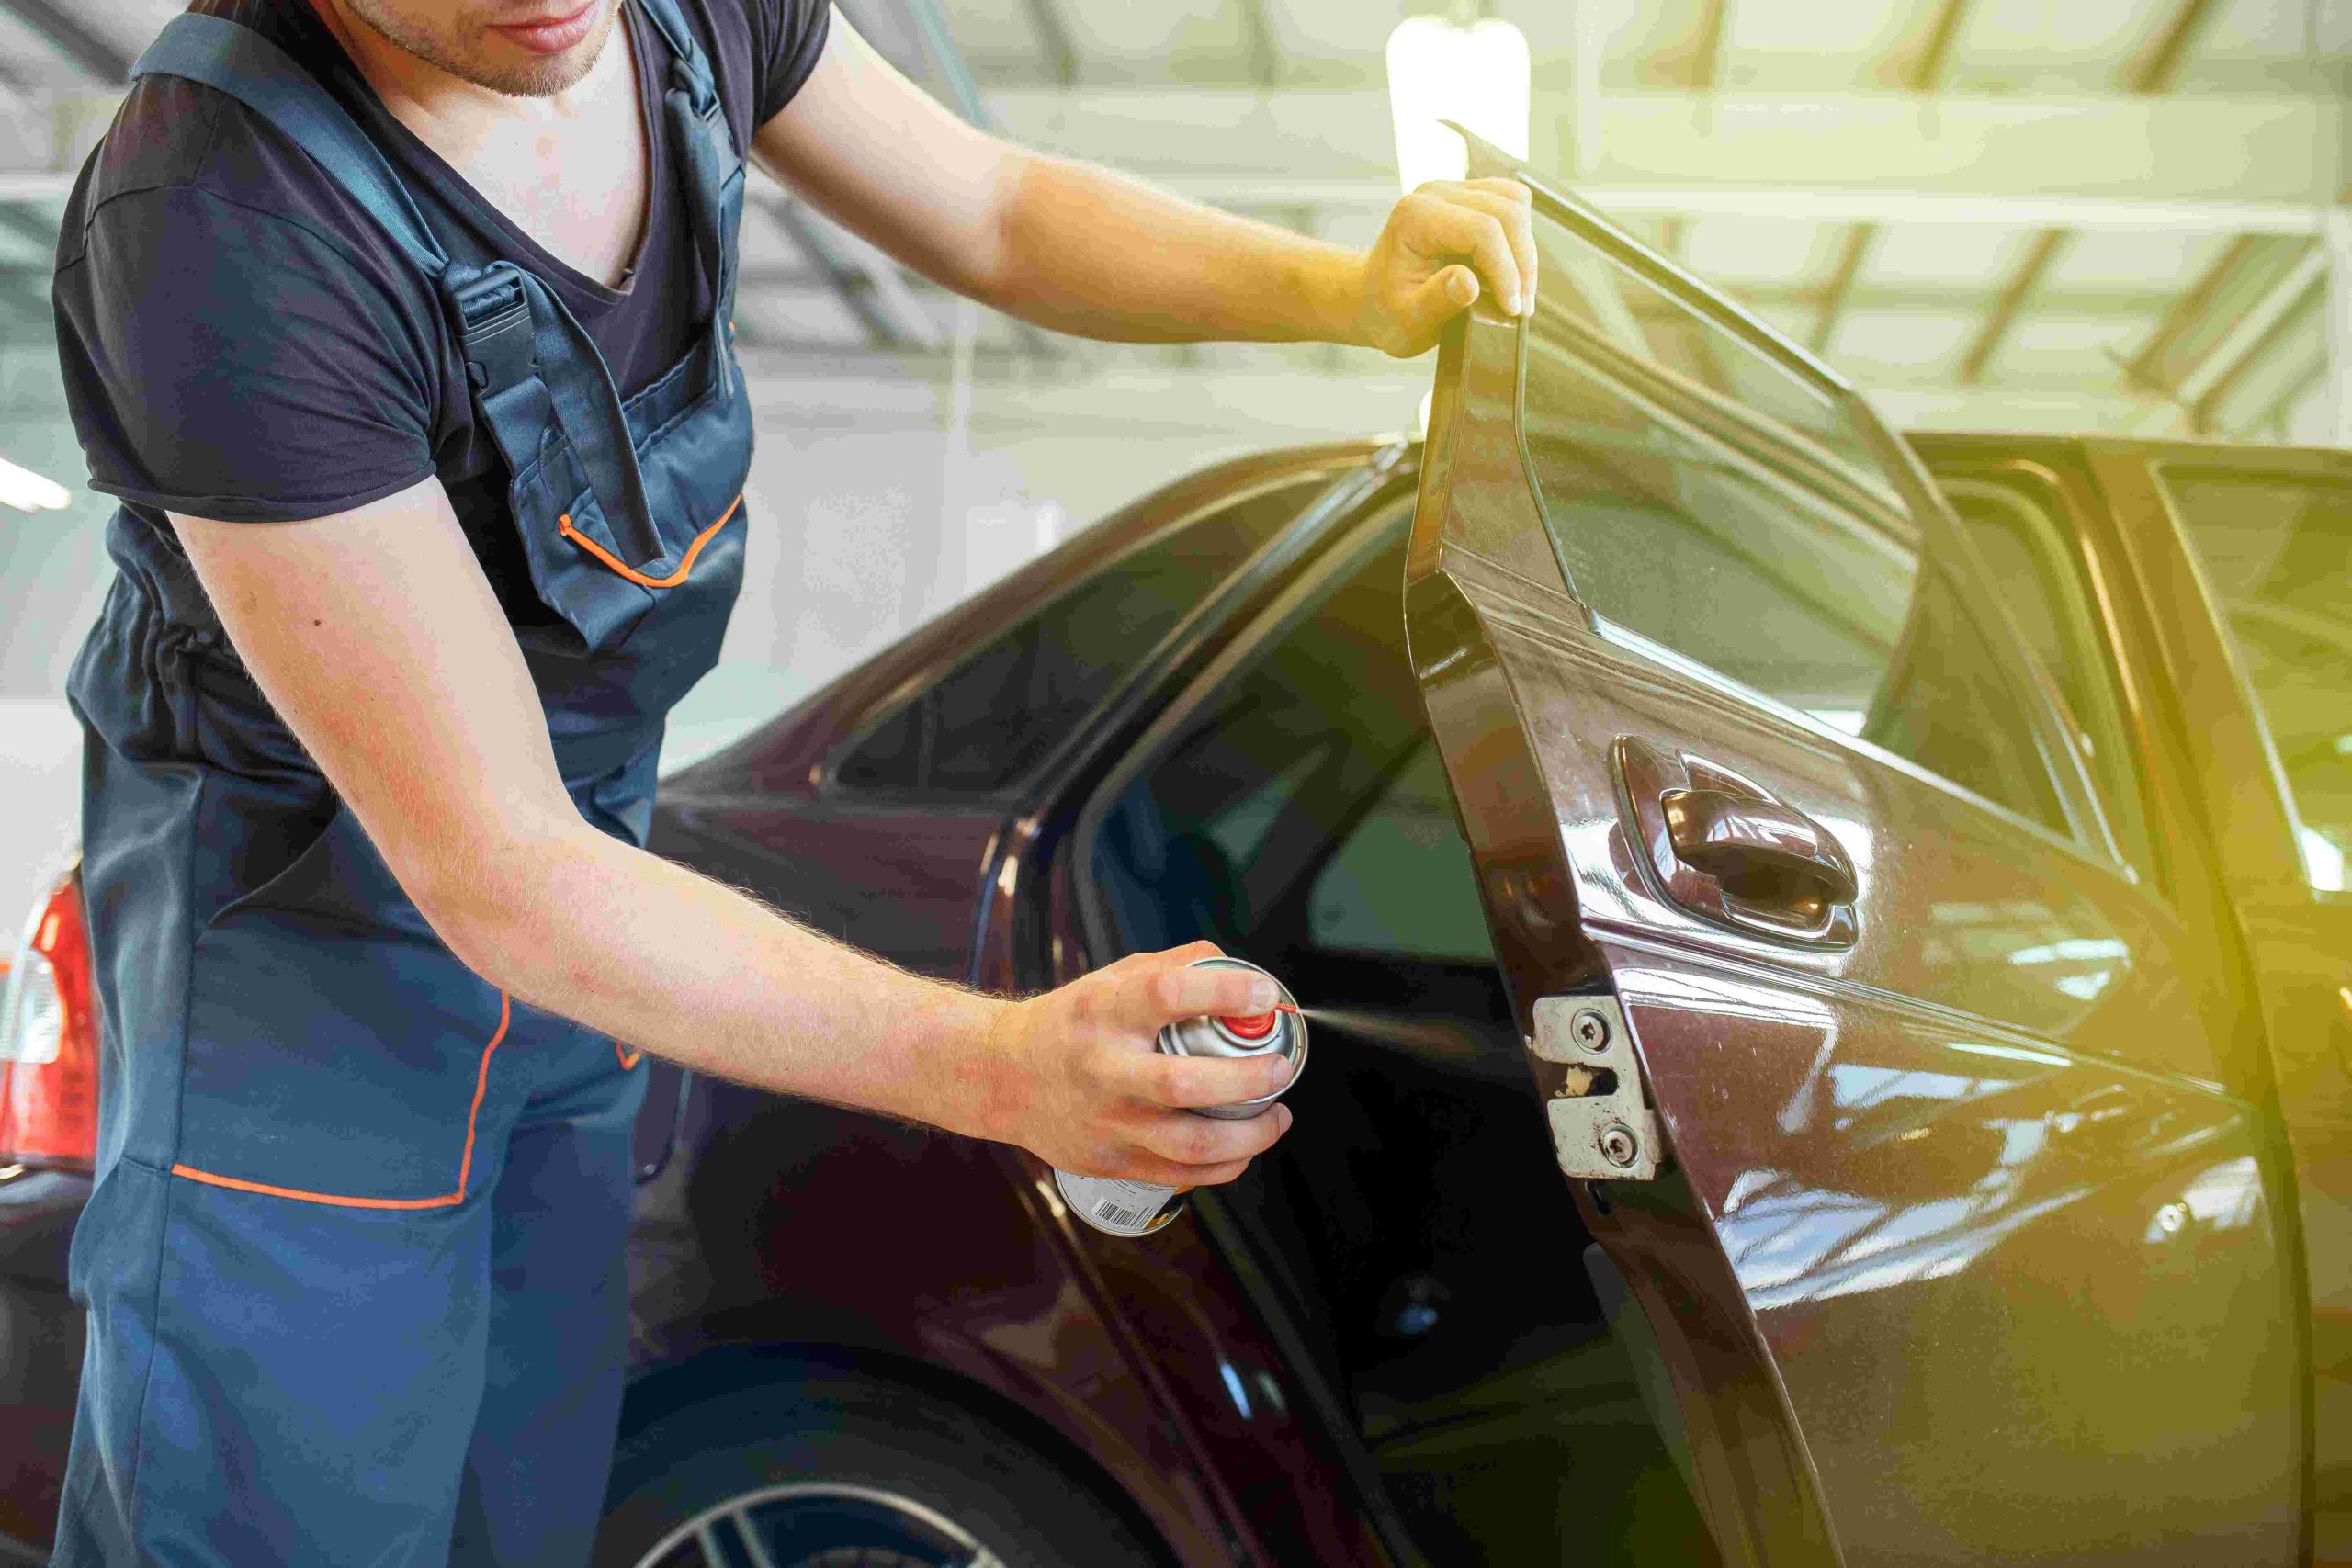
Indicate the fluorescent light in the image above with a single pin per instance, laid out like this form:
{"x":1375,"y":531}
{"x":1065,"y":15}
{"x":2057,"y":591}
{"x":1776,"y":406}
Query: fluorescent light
{"x":29,"y":492}
{"x":1475,"y":75}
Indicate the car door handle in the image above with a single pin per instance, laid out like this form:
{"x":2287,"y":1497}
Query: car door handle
{"x":1755,"y":846}
{"x":1722,"y":848}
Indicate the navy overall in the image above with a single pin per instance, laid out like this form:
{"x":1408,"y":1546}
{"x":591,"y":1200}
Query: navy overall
{"x":352,"y":1263}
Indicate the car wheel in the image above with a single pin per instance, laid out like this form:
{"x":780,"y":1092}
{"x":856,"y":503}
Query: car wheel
{"x":840,"y":1469}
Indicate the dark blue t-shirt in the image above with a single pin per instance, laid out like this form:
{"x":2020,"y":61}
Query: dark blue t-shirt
{"x":241,"y":341}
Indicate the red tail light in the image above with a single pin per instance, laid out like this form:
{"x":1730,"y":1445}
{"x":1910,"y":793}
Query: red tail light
{"x":48,"y":1041}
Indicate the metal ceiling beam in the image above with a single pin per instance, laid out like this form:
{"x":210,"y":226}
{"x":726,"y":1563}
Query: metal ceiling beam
{"x":60,"y":26}
{"x":1054,"y":40}
{"x":2230,"y":164}
{"x":2010,"y":303}
{"x":948,"y":56}
{"x":1935,"y":55}
{"x":1266,"y":62}
{"x":2190,"y":311}
{"x":2155,"y":70}
{"x":1704,"y":69}
{"x":938,"y":42}
{"x":1922,"y":75}
{"x":2252,"y":332}
{"x":771,"y":279}
{"x":1835,"y":294}
{"x":2151,"y":75}
{"x":869,"y":287}
{"x":2271,"y":423}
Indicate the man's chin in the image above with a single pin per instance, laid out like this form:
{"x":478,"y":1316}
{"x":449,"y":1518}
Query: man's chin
{"x":508,"y":68}
{"x":492,"y":62}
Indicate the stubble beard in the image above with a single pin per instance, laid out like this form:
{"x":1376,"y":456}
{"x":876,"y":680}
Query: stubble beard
{"x":540,"y":77}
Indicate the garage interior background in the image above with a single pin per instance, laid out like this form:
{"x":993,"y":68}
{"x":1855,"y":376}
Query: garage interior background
{"x":2111,"y":215}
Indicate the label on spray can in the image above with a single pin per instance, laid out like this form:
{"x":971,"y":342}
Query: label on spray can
{"x":1139,"y":1208}
{"x":1123,"y":1208}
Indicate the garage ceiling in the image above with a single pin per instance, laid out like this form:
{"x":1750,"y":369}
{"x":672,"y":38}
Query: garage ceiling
{"x":2011,"y":212}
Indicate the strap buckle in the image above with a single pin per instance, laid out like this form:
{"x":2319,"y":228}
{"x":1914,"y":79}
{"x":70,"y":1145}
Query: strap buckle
{"x":494,"y":326}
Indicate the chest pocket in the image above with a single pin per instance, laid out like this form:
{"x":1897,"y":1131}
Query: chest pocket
{"x":623,"y":507}
{"x":628,"y":513}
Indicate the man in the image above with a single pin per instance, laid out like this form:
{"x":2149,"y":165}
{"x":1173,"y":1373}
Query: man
{"x":402,"y":330}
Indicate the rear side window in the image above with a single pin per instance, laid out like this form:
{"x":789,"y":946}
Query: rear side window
{"x":1708,"y":500}
{"x":1380,"y":892}
{"x":995,"y":715}
{"x":2020,"y":527}
{"x":2278,"y":555}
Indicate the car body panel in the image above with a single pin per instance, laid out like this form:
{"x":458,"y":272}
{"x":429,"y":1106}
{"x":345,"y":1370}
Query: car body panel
{"x":1909,"y":1275}
{"x":1978,"y":1166}
{"x":40,"y":1348}
{"x":2297,"y":937}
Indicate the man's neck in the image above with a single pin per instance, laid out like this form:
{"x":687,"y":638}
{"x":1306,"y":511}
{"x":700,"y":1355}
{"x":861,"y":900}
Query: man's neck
{"x":449,"y":113}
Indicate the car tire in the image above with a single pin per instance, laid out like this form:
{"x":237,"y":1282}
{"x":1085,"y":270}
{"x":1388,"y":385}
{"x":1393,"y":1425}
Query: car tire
{"x":841,"y":1469}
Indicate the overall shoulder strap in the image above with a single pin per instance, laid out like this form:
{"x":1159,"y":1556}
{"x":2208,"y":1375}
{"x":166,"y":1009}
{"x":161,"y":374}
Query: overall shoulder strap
{"x":264,"y":78}
{"x":685,"y":54}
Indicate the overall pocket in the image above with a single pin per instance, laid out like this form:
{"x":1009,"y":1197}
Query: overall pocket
{"x":693,"y":447}
{"x":335,"y":1051}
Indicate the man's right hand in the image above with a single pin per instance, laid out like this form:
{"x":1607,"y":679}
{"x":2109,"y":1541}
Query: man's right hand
{"x":1077,"y":1077}
{"x":376,"y":636}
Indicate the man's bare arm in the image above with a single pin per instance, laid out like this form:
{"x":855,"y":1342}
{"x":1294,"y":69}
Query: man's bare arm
{"x":376,"y":639}
{"x":1076,"y":247}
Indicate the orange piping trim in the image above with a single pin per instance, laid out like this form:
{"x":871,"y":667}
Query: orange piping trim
{"x":628,"y":1058}
{"x":335,"y":1199}
{"x":563,"y":526}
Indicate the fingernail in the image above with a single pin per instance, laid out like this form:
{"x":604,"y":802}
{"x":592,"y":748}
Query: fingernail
{"x":1263,"y":995}
{"x":1510,"y":303}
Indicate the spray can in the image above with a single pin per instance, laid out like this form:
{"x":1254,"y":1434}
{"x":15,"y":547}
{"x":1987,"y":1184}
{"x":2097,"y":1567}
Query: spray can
{"x":1139,"y":1208}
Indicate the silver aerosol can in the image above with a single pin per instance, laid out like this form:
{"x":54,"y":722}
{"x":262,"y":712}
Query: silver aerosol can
{"x":1139,"y":1208}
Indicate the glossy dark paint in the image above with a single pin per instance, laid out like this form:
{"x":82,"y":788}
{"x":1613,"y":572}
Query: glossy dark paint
{"x":1815,"y":1391}
{"x":41,"y":1349}
{"x":1974,"y":1196}
{"x":2296,"y":941}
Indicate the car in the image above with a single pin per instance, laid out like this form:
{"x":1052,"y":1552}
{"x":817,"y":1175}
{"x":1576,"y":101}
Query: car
{"x":1828,"y":960}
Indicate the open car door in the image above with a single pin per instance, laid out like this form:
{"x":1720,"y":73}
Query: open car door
{"x":1902,"y":1104}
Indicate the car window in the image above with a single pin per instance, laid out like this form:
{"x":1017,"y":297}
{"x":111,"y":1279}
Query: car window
{"x":1376,"y":893}
{"x":997,"y":712}
{"x":2278,"y":555}
{"x":1230,"y":831}
{"x":2021,"y":529}
{"x":1709,"y":501}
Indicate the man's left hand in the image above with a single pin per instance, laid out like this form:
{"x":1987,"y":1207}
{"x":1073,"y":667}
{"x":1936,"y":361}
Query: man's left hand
{"x":1449,"y":246}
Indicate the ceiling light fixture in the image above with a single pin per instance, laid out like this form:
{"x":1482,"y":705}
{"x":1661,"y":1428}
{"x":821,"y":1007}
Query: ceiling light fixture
{"x":1470,"y":69}
{"x":29,"y":492}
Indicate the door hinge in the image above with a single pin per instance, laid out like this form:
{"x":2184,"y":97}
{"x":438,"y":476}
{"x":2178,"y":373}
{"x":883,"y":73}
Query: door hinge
{"x":1601,"y":1125}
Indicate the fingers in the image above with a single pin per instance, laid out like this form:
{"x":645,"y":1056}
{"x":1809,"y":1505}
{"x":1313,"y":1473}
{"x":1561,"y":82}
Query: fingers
{"x":1178,"y":1149}
{"x":1187,"y":1083}
{"x":1176,"y":989}
{"x":1512,"y":207}
{"x":1439,"y":300}
{"x":1469,"y":222}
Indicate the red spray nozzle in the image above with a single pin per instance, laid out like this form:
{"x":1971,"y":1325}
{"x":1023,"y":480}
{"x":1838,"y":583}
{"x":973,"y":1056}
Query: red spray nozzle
{"x":1256,"y":1025}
